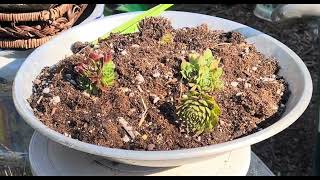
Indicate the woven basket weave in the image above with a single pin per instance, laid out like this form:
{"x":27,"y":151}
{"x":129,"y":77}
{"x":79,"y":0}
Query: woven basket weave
{"x":30,"y":30}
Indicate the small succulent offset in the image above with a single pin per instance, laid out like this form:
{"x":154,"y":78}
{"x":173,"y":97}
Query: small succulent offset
{"x":199,"y":112}
{"x":166,"y":39}
{"x":202,"y":71}
{"x":96,"y":72}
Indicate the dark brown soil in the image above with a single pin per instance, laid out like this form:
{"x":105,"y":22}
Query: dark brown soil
{"x":147,"y":70}
{"x":291,"y":152}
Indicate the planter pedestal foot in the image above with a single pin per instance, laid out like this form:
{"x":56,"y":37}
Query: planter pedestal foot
{"x":49,"y":158}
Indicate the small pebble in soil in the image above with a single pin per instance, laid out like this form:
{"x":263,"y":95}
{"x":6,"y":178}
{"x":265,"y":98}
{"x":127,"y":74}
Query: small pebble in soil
{"x":139,"y":78}
{"x":267,"y":79}
{"x":131,"y":94}
{"x":132,"y":110}
{"x":38,"y":102}
{"x":240,"y":79}
{"x":135,"y":46}
{"x":156,"y":74}
{"x":254,"y":68}
{"x":274,"y":107}
{"x":37,"y":81}
{"x":86,"y":94}
{"x":144,"y":137}
{"x":234,"y":84}
{"x":124,"y":52}
{"x":46,"y":91}
{"x":246,"y":50}
{"x":139,"y":88}
{"x":125,"y":138}
{"x":199,"y":138}
{"x":247,"y":85}
{"x":126,"y":126}
{"x":221,"y":123}
{"x":154,"y":98}
{"x":55,"y":100}
{"x":125,"y":89}
{"x":151,"y":147}
{"x":239,"y":93}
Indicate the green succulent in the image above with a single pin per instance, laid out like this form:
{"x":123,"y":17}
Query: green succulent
{"x":199,"y":112}
{"x":96,"y":72}
{"x":202,"y":71}
{"x":166,"y":39}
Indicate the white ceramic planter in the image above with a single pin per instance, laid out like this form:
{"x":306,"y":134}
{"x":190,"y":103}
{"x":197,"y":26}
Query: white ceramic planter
{"x":292,"y":69}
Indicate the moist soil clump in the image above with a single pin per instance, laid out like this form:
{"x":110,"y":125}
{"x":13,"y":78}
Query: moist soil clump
{"x":149,"y":85}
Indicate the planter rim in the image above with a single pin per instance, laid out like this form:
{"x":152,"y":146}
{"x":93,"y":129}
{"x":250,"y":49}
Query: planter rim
{"x":271,"y":130}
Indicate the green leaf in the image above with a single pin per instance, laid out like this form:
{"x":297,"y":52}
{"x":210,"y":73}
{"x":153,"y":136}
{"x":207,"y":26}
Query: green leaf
{"x":107,"y":11}
{"x":187,"y":70}
{"x":203,"y":71}
{"x":132,"y":7}
{"x":108,"y":74}
{"x":166,"y":39}
{"x":199,"y":112}
{"x":132,"y":25}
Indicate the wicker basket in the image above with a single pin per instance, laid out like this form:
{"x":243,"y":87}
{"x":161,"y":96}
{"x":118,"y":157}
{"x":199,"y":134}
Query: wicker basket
{"x":30,"y":30}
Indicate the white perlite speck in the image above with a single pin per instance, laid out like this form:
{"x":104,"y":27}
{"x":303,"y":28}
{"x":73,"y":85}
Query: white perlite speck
{"x":239,"y":94}
{"x":266,"y":79}
{"x":154,"y":98}
{"x":124,"y":52}
{"x":278,"y":91}
{"x":234,"y":84}
{"x":156,"y":74}
{"x":240,"y":79}
{"x":247,"y":85}
{"x":274,"y":107}
{"x":46,"y":90}
{"x":55,"y":100}
{"x":125,"y":138}
{"x":139,"y":79}
{"x":135,"y":45}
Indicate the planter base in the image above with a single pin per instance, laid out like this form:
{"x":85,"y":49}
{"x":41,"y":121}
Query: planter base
{"x":50,"y":158}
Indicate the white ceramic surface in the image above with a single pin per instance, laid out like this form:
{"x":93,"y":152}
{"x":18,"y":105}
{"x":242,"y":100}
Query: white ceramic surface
{"x":292,"y":69}
{"x":48,"y":158}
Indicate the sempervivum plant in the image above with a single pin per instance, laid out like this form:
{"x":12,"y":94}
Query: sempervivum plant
{"x":96,"y":72}
{"x":198,"y":112}
{"x":202,"y":71}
